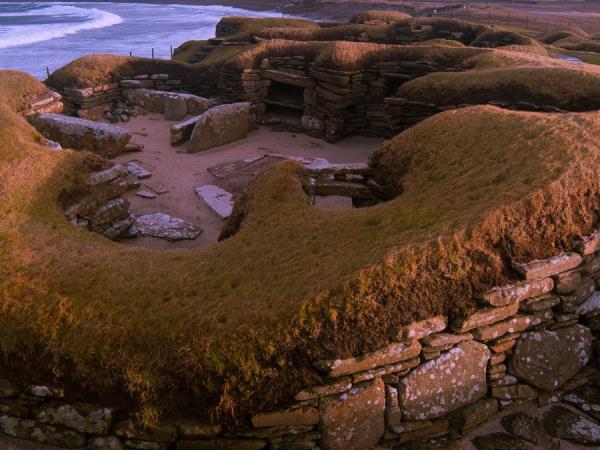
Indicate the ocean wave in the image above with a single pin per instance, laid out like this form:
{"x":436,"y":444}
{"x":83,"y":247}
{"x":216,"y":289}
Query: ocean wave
{"x":72,"y":20}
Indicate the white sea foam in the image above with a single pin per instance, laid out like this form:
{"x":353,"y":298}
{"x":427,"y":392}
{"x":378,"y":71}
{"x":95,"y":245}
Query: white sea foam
{"x":62,"y":21}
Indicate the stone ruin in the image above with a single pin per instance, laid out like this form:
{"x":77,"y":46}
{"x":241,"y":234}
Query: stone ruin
{"x":529,"y":344}
{"x":527,"y":358}
{"x":201,"y":124}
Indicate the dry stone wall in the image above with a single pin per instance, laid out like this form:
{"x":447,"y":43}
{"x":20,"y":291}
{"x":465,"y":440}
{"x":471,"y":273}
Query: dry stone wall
{"x":534,"y":340}
{"x":86,"y":102}
{"x":335,"y":103}
{"x":49,"y":103}
{"x":332,"y":104}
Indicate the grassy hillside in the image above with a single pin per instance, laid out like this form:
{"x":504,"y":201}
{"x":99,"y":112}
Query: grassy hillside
{"x":234,"y":326}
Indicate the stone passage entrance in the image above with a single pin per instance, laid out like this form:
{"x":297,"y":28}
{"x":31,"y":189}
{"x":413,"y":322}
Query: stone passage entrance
{"x":285,"y":102}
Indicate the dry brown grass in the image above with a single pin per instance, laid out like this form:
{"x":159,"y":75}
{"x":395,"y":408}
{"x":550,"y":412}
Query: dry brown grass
{"x":508,"y":40}
{"x":354,"y":55}
{"x":551,"y":37}
{"x":446,"y":42}
{"x":239,"y":28}
{"x":291,"y":37}
{"x":572,"y":38}
{"x":350,"y":32}
{"x":233,"y":326}
{"x":186,"y":51}
{"x":94,"y":70}
{"x":380,"y":17}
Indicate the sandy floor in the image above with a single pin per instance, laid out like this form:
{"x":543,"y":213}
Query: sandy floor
{"x":182,"y":172}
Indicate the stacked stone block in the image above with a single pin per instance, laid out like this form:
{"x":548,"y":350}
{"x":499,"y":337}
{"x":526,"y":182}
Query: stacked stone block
{"x":103,"y":210}
{"x":50,"y":103}
{"x":84,"y":101}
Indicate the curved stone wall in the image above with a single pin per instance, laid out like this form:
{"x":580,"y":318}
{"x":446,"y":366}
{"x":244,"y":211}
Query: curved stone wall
{"x":532,"y":342}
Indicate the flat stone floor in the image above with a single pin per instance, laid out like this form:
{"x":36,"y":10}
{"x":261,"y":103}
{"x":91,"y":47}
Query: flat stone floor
{"x":182,"y":173}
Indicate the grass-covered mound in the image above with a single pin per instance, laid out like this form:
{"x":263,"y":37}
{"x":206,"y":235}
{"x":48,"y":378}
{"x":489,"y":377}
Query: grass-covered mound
{"x":390,"y":32}
{"x":346,"y":32}
{"x":569,"y":88}
{"x":355,"y":55}
{"x":242,"y":29}
{"x":92,"y":70}
{"x":96,"y":69}
{"x":560,"y":34}
{"x":509,"y":40}
{"x":233,"y":327}
{"x":572,"y":39}
{"x":371,"y":26}
{"x":379,"y":17}
{"x":340,"y":44}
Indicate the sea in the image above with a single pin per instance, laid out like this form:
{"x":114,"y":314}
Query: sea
{"x":38,"y":37}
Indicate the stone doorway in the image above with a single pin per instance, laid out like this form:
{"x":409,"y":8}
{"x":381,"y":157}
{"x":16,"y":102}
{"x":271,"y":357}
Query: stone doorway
{"x":285,"y":102}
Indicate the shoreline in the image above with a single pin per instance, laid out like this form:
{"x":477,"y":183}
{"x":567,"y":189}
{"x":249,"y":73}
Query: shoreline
{"x":323,"y":11}
{"x":343,"y":11}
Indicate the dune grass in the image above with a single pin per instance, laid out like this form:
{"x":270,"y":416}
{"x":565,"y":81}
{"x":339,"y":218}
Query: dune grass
{"x":233,"y":327}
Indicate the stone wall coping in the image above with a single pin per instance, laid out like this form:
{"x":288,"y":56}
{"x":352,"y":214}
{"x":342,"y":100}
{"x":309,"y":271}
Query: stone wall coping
{"x":395,"y":352}
{"x":542,"y":268}
{"x":515,"y":293}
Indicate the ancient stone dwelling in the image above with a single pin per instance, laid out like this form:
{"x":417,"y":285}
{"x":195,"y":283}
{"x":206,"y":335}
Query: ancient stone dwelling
{"x":477,"y":334}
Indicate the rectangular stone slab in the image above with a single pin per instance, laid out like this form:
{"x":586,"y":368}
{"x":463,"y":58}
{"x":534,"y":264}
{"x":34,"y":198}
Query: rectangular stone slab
{"x":484,"y":317}
{"x":396,"y":352}
{"x":80,"y":134}
{"x":422,"y":328}
{"x":548,"y":267}
{"x":287,"y":418}
{"x":454,"y":379}
{"x":506,"y":295}
{"x":288,"y":78}
{"x":217,"y":199}
{"x":353,"y":420}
